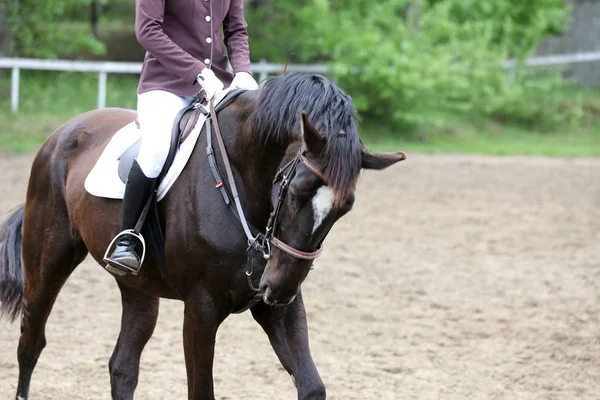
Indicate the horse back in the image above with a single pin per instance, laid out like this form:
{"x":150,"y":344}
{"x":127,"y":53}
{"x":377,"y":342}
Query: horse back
{"x":65,"y":159}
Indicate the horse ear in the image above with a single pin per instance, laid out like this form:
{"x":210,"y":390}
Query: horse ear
{"x":372,"y":160}
{"x":313,"y":140}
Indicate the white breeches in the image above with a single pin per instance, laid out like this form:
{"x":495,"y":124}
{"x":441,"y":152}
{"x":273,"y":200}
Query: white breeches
{"x":157,"y":110}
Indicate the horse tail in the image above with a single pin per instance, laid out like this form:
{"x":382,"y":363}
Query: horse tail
{"x":12,"y":275}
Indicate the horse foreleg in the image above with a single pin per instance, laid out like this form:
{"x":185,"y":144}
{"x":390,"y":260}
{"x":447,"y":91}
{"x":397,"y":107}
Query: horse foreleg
{"x":200,"y":324}
{"x":138,"y":320}
{"x":288,"y":334}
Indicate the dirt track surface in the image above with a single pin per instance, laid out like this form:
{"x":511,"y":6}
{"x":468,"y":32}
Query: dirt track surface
{"x":454,"y":277}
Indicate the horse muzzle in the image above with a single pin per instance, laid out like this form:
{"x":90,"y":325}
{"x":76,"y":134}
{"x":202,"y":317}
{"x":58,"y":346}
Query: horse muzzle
{"x":275,"y":297}
{"x":271,"y":301}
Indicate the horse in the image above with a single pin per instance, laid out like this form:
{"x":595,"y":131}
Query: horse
{"x":295,"y":156}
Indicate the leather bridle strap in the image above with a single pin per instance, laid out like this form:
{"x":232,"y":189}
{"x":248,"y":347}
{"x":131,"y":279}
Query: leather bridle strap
{"x":316,"y":170}
{"x":269,"y":236}
{"x":295,"y":252}
{"x":236,"y":197}
{"x":272,"y":224}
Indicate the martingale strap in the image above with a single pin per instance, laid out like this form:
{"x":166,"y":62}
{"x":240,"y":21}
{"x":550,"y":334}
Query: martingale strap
{"x":269,"y":237}
{"x":213,"y":163}
{"x":282,"y":175}
{"x":234,"y":193}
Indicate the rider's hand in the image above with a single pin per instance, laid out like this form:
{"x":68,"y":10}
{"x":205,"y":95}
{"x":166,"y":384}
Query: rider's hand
{"x":244,"y":80}
{"x":209,"y":83}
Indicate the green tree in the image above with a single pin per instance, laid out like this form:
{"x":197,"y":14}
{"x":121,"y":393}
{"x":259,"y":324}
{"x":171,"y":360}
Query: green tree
{"x":5,"y":34}
{"x":38,"y":31}
{"x":400,"y":58}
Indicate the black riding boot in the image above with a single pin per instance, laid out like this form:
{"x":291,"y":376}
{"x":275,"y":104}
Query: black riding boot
{"x":138,"y":189}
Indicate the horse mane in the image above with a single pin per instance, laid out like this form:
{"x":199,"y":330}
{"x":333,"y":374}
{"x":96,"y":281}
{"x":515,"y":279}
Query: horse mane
{"x":329,"y":109}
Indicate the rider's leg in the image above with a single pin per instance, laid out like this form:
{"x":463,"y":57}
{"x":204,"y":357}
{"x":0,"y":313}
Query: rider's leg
{"x":157,"y":111}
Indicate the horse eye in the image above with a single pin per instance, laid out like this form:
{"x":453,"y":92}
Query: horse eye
{"x":304,"y":186}
{"x":293,"y":200}
{"x":300,"y":190}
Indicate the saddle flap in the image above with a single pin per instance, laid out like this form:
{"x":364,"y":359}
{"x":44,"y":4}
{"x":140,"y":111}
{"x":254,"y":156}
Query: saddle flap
{"x":126,"y":159}
{"x":187,"y":123}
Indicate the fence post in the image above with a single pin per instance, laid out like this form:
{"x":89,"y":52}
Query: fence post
{"x":14,"y":90}
{"x":102,"y":89}
{"x":262,"y":72}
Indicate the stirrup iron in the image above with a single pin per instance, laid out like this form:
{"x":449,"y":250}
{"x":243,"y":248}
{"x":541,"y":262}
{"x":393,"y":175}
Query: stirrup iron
{"x":124,"y":268}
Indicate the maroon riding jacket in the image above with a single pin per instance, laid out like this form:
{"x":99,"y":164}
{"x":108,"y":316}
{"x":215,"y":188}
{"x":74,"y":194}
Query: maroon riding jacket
{"x":182,"y":37}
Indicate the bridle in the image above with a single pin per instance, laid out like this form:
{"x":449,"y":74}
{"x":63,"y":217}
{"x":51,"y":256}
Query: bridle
{"x":284,"y":175}
{"x":259,"y":241}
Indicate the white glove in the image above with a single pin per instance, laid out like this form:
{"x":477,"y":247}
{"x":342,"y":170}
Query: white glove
{"x":243,"y":80}
{"x":209,"y":83}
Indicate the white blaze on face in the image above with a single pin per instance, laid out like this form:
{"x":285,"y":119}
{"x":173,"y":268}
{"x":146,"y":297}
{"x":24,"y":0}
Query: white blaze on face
{"x":322,"y":204}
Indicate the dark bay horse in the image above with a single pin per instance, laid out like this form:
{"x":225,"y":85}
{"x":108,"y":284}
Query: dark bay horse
{"x":205,"y":247}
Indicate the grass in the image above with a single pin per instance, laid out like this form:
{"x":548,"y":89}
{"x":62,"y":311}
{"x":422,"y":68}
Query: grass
{"x":469,"y":136}
{"x":48,"y":99}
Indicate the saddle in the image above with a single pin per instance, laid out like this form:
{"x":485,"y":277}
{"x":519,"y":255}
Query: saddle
{"x":184,"y":124}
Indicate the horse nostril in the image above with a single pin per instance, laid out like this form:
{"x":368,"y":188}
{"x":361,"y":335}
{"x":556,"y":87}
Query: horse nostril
{"x":267,"y":293}
{"x":263,"y":287}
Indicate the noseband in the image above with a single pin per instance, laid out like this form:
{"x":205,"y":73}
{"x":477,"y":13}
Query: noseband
{"x":283,"y":176}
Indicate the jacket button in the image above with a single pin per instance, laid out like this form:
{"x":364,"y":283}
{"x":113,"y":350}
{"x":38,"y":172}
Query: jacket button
{"x":207,"y":18}
{"x":207,"y":61}
{"x":208,"y":40}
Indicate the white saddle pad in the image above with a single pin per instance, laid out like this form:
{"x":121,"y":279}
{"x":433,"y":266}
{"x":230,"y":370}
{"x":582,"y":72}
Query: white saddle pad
{"x":103,"y":180}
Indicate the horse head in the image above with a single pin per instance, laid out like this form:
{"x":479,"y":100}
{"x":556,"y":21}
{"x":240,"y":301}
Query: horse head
{"x":314,"y":188}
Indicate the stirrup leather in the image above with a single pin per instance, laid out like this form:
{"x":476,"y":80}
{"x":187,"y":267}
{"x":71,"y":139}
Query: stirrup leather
{"x":108,"y":261}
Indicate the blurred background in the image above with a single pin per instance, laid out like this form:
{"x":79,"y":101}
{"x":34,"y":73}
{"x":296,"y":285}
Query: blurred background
{"x":430,"y":75}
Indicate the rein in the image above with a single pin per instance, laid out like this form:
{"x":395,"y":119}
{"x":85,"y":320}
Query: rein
{"x":261,"y":242}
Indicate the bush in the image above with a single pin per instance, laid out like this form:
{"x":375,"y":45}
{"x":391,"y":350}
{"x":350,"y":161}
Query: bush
{"x":37,"y":30}
{"x":400,"y":59}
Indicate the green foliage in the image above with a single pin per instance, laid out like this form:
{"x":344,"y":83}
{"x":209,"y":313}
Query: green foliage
{"x":400,"y":58}
{"x":521,"y":24}
{"x":403,"y":61}
{"x":38,"y":31}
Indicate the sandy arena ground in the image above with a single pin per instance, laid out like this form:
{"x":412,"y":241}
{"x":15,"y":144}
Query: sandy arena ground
{"x":455,"y":277}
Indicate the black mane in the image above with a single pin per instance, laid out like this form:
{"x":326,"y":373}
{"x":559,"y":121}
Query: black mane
{"x":328,"y":108}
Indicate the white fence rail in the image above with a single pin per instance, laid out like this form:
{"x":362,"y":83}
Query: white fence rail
{"x":558,"y":59}
{"x":263,"y":69}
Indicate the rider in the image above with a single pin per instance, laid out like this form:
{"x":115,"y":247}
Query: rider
{"x":184,"y":56}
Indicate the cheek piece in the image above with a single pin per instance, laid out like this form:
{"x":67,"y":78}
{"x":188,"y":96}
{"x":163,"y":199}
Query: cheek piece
{"x":270,"y":238}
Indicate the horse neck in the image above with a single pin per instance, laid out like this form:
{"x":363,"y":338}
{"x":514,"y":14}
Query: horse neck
{"x":257,"y":163}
